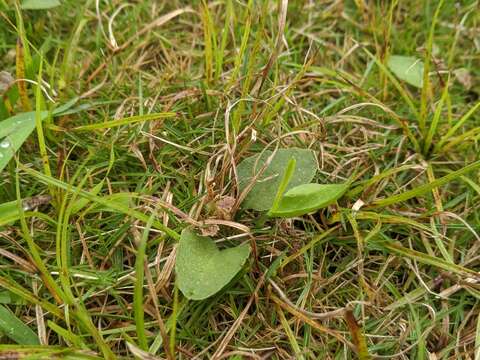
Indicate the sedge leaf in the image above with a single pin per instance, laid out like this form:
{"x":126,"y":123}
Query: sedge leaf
{"x":287,"y":176}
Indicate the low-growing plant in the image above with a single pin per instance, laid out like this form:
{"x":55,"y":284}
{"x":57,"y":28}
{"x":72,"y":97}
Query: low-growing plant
{"x":202,"y":270}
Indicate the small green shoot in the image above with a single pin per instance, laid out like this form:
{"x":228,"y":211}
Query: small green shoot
{"x":287,"y":176}
{"x":307,"y":198}
{"x":138,"y":291}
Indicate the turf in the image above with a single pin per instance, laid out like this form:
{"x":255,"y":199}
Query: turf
{"x":153,"y":104}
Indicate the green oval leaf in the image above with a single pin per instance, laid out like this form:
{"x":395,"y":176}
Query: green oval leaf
{"x":15,"y":329}
{"x":407,"y":68}
{"x":13,"y":132}
{"x":16,"y":129}
{"x":202,"y":269}
{"x":262,"y":194}
{"x":307,"y":198}
{"x":39,"y":4}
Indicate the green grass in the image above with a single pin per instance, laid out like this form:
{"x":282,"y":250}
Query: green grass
{"x":156,"y":103}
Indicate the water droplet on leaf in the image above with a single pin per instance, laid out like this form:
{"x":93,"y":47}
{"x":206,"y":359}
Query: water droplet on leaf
{"x":5,"y":144}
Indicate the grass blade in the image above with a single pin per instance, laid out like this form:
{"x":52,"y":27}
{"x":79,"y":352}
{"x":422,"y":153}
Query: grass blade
{"x":125,"y":121}
{"x":436,"y":118}
{"x":16,"y":289}
{"x":34,"y":251}
{"x":138,"y":291}
{"x":430,"y":260}
{"x":426,"y":73}
{"x":358,"y":337}
{"x":283,"y":184}
{"x":290,"y":335}
{"x":20,"y":72}
{"x":425,"y":188}
{"x":115,"y":205}
{"x":38,"y":123}
{"x":477,"y":340}
{"x":243,"y":46}
{"x":457,"y":125}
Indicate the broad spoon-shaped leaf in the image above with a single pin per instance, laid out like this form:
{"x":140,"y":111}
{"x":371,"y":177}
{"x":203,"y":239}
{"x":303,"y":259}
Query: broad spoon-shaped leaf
{"x":15,"y":329}
{"x":16,"y":129}
{"x":202,"y":269}
{"x":13,"y":132}
{"x":407,"y":68}
{"x":262,"y":194}
{"x":307,"y":198}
